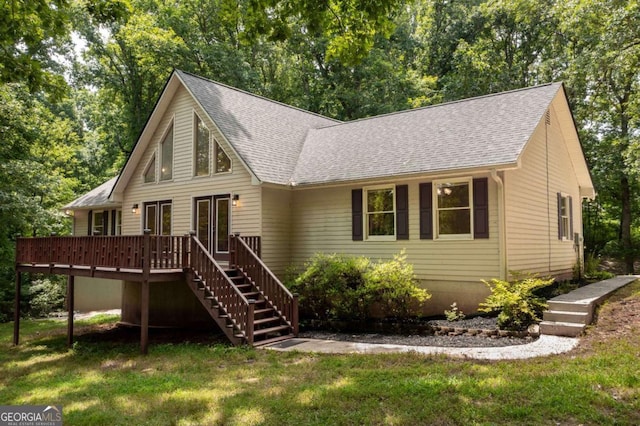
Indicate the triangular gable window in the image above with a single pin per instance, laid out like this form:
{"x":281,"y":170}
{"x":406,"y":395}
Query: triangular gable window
{"x":223,"y":162}
{"x":150,"y":171}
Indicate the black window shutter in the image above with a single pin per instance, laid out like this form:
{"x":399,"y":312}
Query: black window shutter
{"x":113,"y":222}
{"x":481,"y":208}
{"x":356,"y":215}
{"x":90,"y":227}
{"x":426,"y":212}
{"x":559,"y":216}
{"x":402,"y":212}
{"x":570,"y":217}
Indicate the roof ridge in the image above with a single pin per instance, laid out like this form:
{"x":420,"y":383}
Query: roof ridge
{"x":406,"y":111}
{"x":264,"y":98}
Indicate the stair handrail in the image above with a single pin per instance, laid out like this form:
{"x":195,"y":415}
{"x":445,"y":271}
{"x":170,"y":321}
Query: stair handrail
{"x":257,"y":270}
{"x":241,"y":317}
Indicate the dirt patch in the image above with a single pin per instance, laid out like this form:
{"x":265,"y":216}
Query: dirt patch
{"x":119,"y":334}
{"x":618,"y":317}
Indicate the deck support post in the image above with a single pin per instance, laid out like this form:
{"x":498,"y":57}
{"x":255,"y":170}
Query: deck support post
{"x":144,"y":320}
{"x":250,"y":320}
{"x":70,"y":308}
{"x":16,"y":310}
{"x":144,"y":289}
{"x":294,"y":315}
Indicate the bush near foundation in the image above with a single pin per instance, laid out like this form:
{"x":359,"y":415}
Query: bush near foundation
{"x":515,"y":302}
{"x":342,"y":287}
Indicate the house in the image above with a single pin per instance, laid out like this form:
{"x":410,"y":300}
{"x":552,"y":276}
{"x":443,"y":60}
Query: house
{"x":471,"y":189}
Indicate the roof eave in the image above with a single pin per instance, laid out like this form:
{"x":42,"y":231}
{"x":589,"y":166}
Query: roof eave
{"x":432,"y":174}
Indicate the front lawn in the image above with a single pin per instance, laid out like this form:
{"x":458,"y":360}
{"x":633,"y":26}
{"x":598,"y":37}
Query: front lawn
{"x":105,"y":381}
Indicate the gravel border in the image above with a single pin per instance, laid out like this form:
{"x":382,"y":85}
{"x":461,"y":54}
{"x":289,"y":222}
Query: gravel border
{"x":479,"y":332}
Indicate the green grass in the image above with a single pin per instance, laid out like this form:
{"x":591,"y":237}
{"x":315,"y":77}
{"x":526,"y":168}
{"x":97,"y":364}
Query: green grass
{"x":106,"y":382}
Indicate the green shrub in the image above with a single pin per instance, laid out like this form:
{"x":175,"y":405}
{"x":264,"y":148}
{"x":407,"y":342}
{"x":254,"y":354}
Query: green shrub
{"x":591,"y":271}
{"x":454,"y":314}
{"x":47,"y":295}
{"x":393,"y":285}
{"x":336,"y":286}
{"x":329,"y":286}
{"x":515,"y":301}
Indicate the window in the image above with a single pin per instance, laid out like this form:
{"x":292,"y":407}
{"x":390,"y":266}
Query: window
{"x":150,"y":171}
{"x":453,"y":208}
{"x":380,"y":212}
{"x":223,"y":162}
{"x":118,"y":223}
{"x":456,"y":208}
{"x":99,"y":223}
{"x":157,"y":217}
{"x":202,"y":146}
{"x":565,"y":219}
{"x":166,"y":155}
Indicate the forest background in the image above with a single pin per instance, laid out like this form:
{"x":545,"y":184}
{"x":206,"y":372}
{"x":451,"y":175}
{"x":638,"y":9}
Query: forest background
{"x":78,"y":79}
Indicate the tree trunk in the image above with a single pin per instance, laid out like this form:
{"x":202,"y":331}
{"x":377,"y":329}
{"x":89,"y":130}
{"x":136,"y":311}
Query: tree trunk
{"x":625,"y":225}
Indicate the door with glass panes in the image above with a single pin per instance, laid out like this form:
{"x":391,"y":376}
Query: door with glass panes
{"x":157,"y":217}
{"x":212,"y":224}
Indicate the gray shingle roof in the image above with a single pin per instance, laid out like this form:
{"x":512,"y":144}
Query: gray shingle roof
{"x":97,"y":197}
{"x":479,"y":132}
{"x":267,"y":135}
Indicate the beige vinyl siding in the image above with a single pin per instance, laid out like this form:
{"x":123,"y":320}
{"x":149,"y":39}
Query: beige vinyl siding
{"x":184,"y":186}
{"x":322,"y":223}
{"x":80,"y":222}
{"x":276,"y":229}
{"x":531,"y":203}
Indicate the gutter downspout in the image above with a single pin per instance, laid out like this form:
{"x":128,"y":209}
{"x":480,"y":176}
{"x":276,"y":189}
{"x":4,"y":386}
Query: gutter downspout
{"x":502,"y":226}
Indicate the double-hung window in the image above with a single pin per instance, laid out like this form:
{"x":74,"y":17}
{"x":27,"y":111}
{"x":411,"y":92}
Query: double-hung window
{"x":454,"y":212}
{"x":565,"y":222}
{"x":380,"y":217}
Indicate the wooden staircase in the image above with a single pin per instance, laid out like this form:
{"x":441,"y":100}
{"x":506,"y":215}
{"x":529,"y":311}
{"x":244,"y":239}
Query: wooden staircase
{"x":243,"y":307}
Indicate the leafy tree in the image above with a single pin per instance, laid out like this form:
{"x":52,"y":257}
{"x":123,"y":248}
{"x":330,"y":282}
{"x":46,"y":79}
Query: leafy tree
{"x":31,"y":33}
{"x":603,"y":46}
{"x":37,"y":174}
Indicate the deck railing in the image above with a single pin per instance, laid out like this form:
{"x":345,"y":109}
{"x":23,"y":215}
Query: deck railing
{"x":245,"y":259}
{"x":119,"y":252}
{"x":228,"y":296}
{"x":145,"y":253}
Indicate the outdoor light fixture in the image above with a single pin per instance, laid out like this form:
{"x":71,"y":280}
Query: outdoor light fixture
{"x":236,"y":198}
{"x":134,"y":209}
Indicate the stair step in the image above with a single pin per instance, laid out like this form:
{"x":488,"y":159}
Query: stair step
{"x":266,"y":320}
{"x":251,"y":294}
{"x":262,"y":311}
{"x":273,"y":340}
{"x":270,"y":330}
{"x":559,"y":328}
{"x":241,"y":286}
{"x":558,"y":305}
{"x":567,"y":316}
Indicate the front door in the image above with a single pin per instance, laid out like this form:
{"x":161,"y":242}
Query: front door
{"x":212,"y":217}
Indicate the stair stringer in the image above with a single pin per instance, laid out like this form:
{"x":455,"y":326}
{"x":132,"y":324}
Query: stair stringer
{"x":228,"y":328}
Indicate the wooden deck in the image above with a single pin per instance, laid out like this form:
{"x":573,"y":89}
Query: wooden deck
{"x":154,"y":259}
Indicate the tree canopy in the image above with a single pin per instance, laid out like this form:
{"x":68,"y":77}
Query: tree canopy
{"x":79,"y":78}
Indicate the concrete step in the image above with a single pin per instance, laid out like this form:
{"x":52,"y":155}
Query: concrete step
{"x":567,"y":316}
{"x":559,"y":328}
{"x":566,"y":306}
